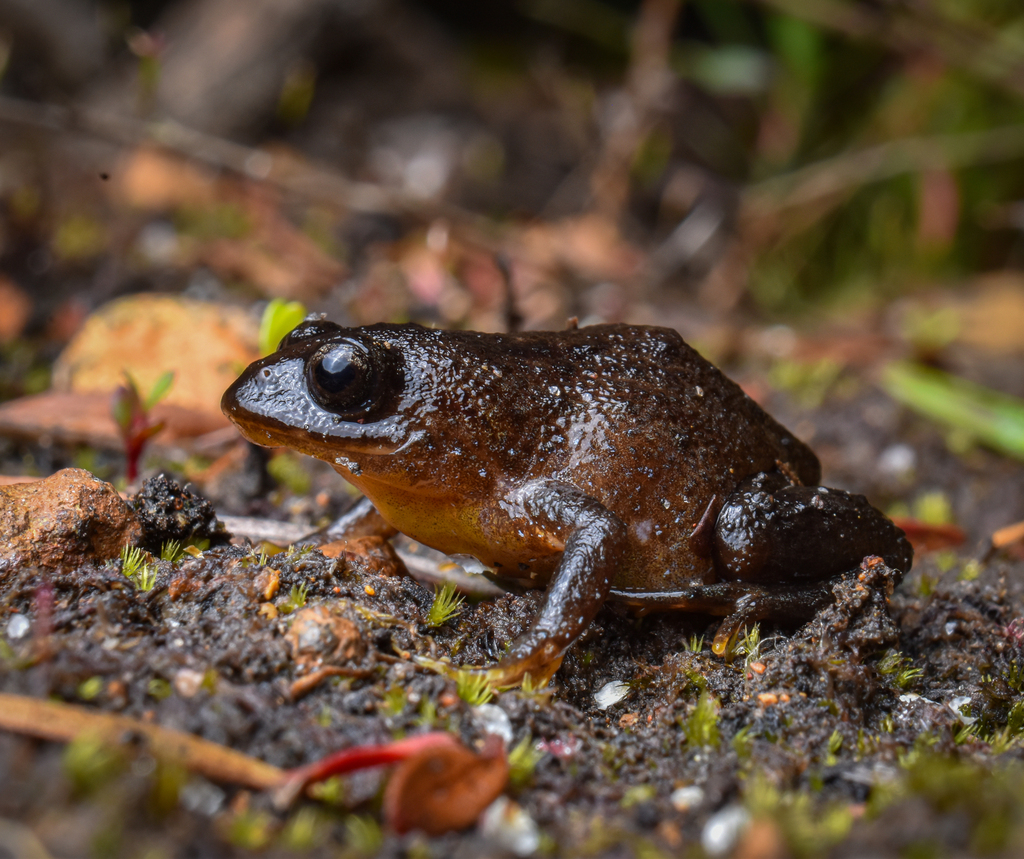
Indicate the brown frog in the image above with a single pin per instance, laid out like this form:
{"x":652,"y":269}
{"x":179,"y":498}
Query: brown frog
{"x":608,"y":462}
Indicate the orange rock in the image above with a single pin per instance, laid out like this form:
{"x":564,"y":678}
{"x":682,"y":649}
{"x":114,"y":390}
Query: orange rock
{"x":63,"y":521}
{"x":316,"y":636}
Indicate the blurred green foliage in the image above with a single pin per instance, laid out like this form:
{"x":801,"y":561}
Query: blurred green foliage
{"x":836,"y":91}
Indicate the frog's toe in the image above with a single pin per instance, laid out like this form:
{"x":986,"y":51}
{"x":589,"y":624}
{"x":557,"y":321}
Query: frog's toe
{"x":513,"y":672}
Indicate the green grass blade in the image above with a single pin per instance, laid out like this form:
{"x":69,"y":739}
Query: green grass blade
{"x":994,"y":419}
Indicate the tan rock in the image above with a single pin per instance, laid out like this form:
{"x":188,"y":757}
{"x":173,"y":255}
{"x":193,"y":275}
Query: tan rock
{"x":317,"y":636}
{"x":62,"y":521}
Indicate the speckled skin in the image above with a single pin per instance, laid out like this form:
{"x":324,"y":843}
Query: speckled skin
{"x":503,"y":446}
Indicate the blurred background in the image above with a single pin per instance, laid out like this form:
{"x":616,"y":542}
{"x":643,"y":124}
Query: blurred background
{"x":813,"y":193}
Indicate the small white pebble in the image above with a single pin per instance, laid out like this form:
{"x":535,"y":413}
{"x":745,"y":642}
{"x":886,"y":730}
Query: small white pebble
{"x":491,"y":719}
{"x":510,"y":827}
{"x":950,"y":627}
{"x":18,"y":627}
{"x":723,"y":830}
{"x":955,"y":706}
{"x":683,"y":798}
{"x":187,"y":682}
{"x":610,"y":693}
{"x":202,"y":797}
{"x":897,"y":460}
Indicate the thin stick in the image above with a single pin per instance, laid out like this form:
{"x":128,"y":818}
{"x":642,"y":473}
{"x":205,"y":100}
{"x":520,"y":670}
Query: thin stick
{"x":54,"y":720}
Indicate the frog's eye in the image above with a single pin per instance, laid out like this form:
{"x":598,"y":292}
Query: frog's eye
{"x":342,"y":376}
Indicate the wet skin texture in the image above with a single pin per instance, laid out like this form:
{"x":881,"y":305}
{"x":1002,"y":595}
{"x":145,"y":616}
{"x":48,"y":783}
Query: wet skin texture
{"x":606,"y":462}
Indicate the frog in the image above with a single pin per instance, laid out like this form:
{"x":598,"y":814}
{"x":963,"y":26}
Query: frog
{"x":609,"y":462}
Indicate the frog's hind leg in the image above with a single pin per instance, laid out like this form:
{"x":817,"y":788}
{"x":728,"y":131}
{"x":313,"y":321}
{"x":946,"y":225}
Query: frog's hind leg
{"x":773,"y":533}
{"x":742,"y":603}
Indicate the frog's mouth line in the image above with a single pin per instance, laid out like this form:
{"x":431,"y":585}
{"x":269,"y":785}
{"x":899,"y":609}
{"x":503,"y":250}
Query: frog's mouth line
{"x":269,"y":432}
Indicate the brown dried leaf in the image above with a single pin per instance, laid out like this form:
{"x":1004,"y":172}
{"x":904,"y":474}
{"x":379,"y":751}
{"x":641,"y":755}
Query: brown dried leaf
{"x":446,"y":788}
{"x":204,"y":344}
{"x":71,"y":418}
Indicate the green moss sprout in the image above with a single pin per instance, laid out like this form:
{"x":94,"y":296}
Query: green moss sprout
{"x":522,"y":762}
{"x":136,"y":564}
{"x":447,"y":604}
{"x":473,"y":688}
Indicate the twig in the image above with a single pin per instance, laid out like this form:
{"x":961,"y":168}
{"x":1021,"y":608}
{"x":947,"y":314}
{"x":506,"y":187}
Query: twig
{"x":648,"y":85}
{"x":305,"y":685}
{"x":835,"y":175}
{"x":54,"y":720}
{"x":311,"y":181}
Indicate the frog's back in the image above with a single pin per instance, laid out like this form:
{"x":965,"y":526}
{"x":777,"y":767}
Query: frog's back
{"x":630,"y":415}
{"x":638,"y":419}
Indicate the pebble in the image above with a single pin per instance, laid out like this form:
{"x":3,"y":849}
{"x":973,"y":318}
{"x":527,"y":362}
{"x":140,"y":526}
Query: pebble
{"x":723,"y":830}
{"x":611,"y":693}
{"x":510,"y":827}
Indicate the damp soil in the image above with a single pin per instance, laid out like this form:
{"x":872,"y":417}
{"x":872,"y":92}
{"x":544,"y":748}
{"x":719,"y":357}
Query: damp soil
{"x":887,"y":725}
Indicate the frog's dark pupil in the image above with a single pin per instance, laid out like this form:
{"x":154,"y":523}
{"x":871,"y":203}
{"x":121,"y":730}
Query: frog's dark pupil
{"x":337,"y":371}
{"x":342,"y":377}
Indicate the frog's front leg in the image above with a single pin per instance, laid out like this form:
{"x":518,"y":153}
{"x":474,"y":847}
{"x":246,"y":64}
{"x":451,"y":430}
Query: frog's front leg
{"x":595,"y":542}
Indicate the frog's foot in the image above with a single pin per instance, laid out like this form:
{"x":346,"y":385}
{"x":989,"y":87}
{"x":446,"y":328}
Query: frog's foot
{"x":742,"y":603}
{"x":537,"y":659}
{"x":770,"y":532}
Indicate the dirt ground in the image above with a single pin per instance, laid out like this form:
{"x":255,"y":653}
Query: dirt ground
{"x":885,"y":726}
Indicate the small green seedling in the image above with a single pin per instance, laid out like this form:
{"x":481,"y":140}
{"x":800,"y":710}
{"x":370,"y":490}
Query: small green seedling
{"x":897,"y":667}
{"x":447,"y":604}
{"x":171,"y":551}
{"x":132,"y":415}
{"x":522,"y":762}
{"x":363,"y":835}
{"x":743,"y":742}
{"x":278,"y":319}
{"x":701,"y":726}
{"x":394,"y":701}
{"x":749,"y":645}
{"x":296,"y":599}
{"x":90,"y":689}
